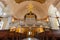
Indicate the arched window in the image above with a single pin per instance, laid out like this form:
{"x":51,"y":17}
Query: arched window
{"x":53,"y":17}
{"x":1,"y":8}
{"x":1,"y":13}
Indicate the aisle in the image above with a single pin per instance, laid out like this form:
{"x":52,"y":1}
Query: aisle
{"x":30,"y":39}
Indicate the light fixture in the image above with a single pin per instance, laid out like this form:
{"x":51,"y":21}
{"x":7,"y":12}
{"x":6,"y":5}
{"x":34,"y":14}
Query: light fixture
{"x":13,"y":19}
{"x":47,"y":20}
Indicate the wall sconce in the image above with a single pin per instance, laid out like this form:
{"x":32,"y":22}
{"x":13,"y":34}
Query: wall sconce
{"x":47,"y":20}
{"x":13,"y":19}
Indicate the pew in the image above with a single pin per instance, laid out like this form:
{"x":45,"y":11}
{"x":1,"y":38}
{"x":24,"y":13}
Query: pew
{"x":56,"y":34}
{"x":49,"y":35}
{"x":11,"y":35}
{"x":40,"y":36}
{"x":3,"y":34}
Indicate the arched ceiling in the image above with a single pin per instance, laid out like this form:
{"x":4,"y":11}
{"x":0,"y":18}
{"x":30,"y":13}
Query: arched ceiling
{"x":18,"y":10}
{"x":19,"y":1}
{"x":38,"y":10}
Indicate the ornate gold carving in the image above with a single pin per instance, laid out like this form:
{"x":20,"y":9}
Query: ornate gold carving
{"x":30,"y":7}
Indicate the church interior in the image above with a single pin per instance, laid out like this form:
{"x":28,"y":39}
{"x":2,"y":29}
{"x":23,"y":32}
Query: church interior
{"x":29,"y":19}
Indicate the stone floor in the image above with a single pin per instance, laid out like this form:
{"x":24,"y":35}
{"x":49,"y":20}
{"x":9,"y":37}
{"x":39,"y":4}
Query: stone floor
{"x":30,"y":39}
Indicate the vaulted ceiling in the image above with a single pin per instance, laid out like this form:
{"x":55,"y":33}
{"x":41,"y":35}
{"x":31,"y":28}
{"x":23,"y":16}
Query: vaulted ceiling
{"x":18,"y":8}
{"x":19,"y":1}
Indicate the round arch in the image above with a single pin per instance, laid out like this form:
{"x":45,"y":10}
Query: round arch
{"x":30,"y":14}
